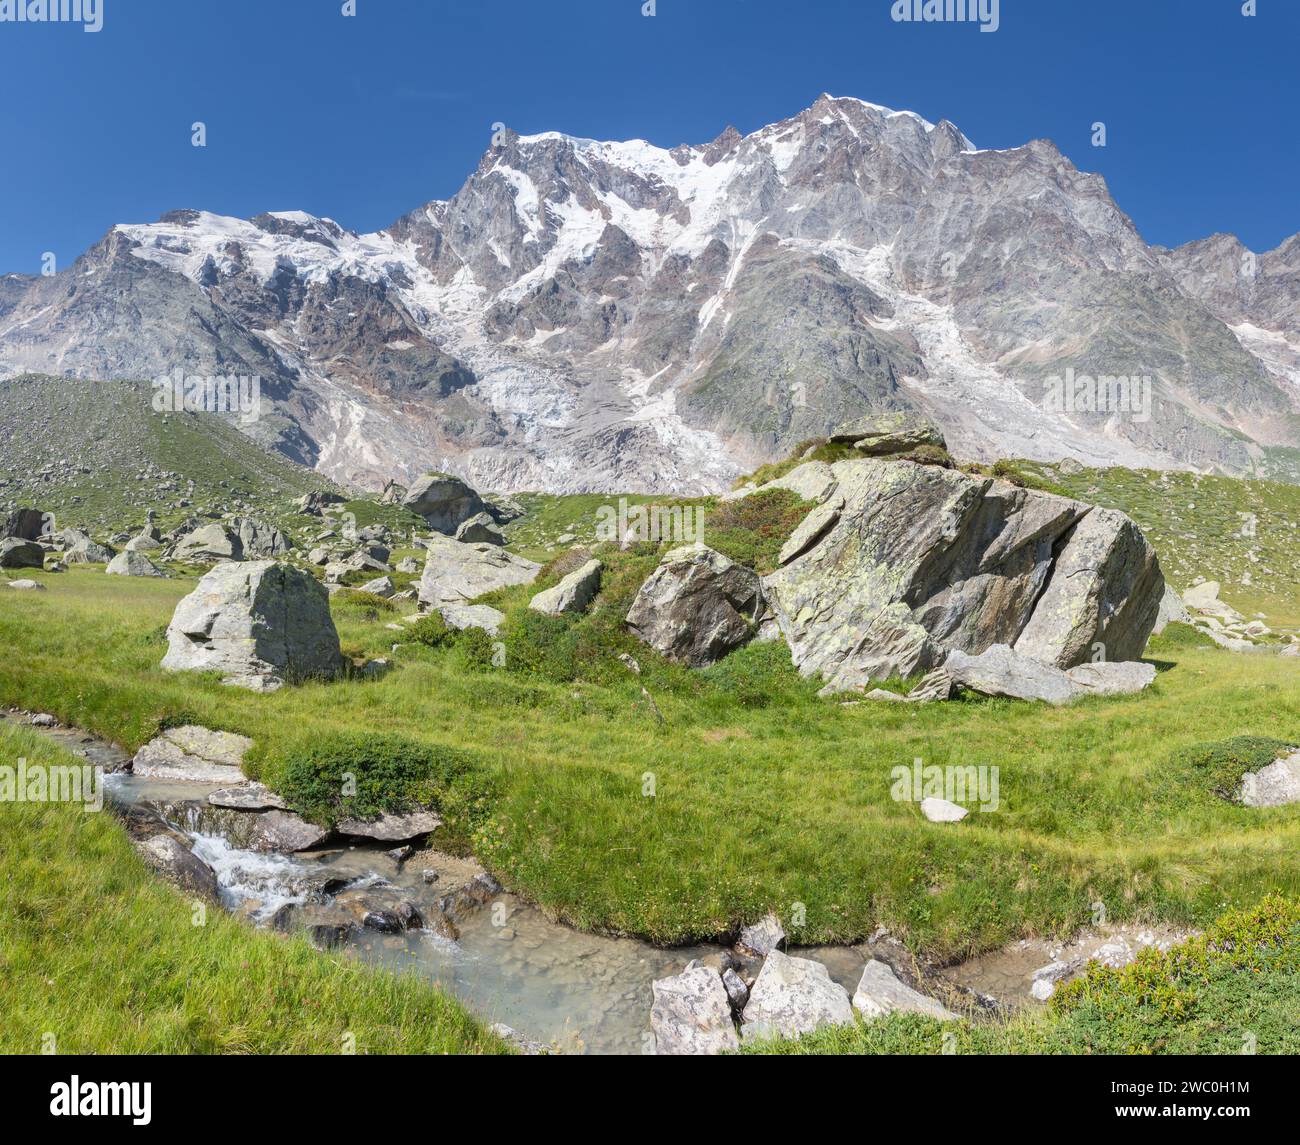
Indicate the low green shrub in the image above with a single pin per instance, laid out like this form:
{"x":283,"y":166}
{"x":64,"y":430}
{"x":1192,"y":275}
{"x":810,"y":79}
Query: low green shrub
{"x":1218,"y":767}
{"x":364,"y":775}
{"x":752,"y":530}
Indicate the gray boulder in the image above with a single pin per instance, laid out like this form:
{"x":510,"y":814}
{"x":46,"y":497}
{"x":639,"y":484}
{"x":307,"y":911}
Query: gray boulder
{"x":691,"y":1013}
{"x":881,"y":434}
{"x":763,"y":937}
{"x":1110,"y":678}
{"x":880,"y":993}
{"x":250,"y":796}
{"x":1105,"y":590}
{"x":697,"y":606}
{"x":260,"y":623}
{"x":212,"y":542}
{"x":1172,"y":610}
{"x":257,"y":539}
{"x":16,"y":553}
{"x":792,"y":997}
{"x":1276,"y":785}
{"x":572,"y":594}
{"x":132,"y":563}
{"x":922,"y":561}
{"x":283,"y":832}
{"x":87,"y":552}
{"x":26,"y":524}
{"x":462,"y":616}
{"x":1002,"y":671}
{"x":392,"y":828}
{"x":480,"y":529}
{"x":193,"y":754}
{"x":27,"y":585}
{"x":455,"y":573}
{"x":443,"y":501}
{"x":176,"y":863}
{"x":380,"y":586}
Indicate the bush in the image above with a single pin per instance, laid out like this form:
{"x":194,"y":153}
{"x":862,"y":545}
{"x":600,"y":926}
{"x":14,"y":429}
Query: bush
{"x":1219,"y":767}
{"x":752,"y":531}
{"x":388,"y":773}
{"x":432,"y":631}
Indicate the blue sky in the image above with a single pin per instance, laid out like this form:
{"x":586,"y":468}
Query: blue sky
{"x":364,"y":118}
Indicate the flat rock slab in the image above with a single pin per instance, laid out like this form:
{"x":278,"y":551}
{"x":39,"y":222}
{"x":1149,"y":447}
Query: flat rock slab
{"x":462,"y":616}
{"x":193,"y":753}
{"x":285,"y":831}
{"x":392,"y":828}
{"x":880,"y":992}
{"x":1112,"y":678}
{"x":942,"y":811}
{"x":247,"y":797}
{"x":691,"y":1013}
{"x":794,"y":996}
{"x":998,"y":671}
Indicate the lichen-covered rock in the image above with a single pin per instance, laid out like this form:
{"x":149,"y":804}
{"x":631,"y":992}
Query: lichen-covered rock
{"x":572,"y":594}
{"x":921,"y":561}
{"x":260,"y":623}
{"x":1104,"y":593}
{"x":193,"y":754}
{"x":691,"y":1013}
{"x":212,"y":542}
{"x":392,"y":828}
{"x":697,"y":606}
{"x":885,"y":433}
{"x":456,"y":573}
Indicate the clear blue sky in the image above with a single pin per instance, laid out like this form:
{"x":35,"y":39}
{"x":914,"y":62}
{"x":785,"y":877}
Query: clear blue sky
{"x":365,"y":118}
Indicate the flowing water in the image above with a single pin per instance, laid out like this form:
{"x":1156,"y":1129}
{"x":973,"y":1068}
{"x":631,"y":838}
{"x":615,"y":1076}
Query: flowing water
{"x":577,"y":992}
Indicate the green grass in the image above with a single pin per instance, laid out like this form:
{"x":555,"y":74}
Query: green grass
{"x":1232,"y":990}
{"x":104,"y":957}
{"x":764,"y":795}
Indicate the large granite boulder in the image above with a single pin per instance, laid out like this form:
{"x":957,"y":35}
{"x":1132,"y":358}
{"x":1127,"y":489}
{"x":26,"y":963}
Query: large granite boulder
{"x":455,"y":573}
{"x":697,"y":606}
{"x":257,"y":539}
{"x":133,"y":563}
{"x":908,"y":563}
{"x":26,"y":524}
{"x":83,"y":551}
{"x":1104,"y":593}
{"x":212,"y":542}
{"x":443,"y":501}
{"x":16,"y":553}
{"x":792,"y":997}
{"x":1002,"y":671}
{"x":691,"y":1013}
{"x":260,"y":623}
{"x":572,"y":594}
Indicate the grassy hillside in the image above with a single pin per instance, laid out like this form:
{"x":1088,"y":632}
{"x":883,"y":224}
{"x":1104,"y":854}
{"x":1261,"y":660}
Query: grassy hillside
{"x":97,"y":456}
{"x":1105,"y":800}
{"x":105,"y":958}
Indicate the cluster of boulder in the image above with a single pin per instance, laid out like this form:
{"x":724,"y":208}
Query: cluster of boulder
{"x":757,"y":992}
{"x":1201,"y":607}
{"x":904,"y":568}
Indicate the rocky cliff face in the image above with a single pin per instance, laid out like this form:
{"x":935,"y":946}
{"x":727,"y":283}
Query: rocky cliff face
{"x":585,"y":315}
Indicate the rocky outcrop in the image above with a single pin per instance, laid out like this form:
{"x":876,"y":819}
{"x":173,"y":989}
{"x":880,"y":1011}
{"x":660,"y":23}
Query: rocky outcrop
{"x":907,"y":563}
{"x":1103,"y":593}
{"x":443,"y":501}
{"x":260,"y":623}
{"x":212,"y":542}
{"x":480,"y":529}
{"x":882,"y":434}
{"x":455,"y":573}
{"x":697,"y":606}
{"x":176,"y":863}
{"x":691,"y":1013}
{"x":258,"y":540}
{"x":1276,"y":785}
{"x":572,"y":594}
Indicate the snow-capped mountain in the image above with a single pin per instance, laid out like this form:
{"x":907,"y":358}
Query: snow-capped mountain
{"x":585,"y":315}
